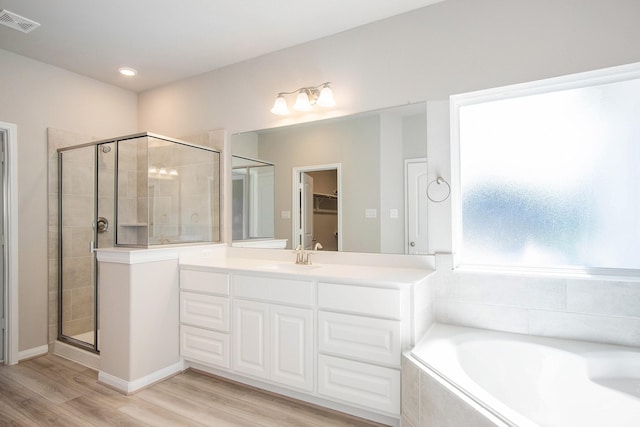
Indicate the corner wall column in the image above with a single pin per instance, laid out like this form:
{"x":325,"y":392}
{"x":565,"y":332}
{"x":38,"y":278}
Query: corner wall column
{"x":138,"y":317}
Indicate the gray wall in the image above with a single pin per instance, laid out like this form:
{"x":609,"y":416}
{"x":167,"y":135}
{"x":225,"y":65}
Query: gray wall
{"x":427,"y":55}
{"x":352,"y":143}
{"x":450,"y":47}
{"x":37,"y":96}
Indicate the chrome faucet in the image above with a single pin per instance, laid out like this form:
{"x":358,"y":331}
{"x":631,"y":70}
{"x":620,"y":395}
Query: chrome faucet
{"x":300,"y":255}
{"x":303,"y":257}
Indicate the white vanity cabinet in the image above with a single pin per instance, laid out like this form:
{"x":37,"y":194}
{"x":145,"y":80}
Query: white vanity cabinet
{"x":362,"y":332}
{"x":336,"y":343}
{"x":271,"y":340}
{"x":205,"y":317}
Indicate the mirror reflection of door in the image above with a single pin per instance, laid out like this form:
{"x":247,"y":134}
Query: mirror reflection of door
{"x":317,"y":207}
{"x":2,"y":282}
{"x":416,"y":178}
{"x":306,"y":211}
{"x":238,"y":204}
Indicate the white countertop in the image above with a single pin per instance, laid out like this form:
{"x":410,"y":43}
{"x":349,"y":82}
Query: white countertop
{"x":373,"y":275}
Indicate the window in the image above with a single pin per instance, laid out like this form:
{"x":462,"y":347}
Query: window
{"x":547,"y":174}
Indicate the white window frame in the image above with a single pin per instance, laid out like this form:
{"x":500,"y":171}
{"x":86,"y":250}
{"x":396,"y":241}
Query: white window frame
{"x":572,"y":81}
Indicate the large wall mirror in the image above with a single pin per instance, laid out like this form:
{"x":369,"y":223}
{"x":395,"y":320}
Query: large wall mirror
{"x":352,"y":183}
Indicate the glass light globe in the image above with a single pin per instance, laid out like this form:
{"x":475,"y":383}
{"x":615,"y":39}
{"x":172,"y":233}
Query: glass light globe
{"x":280,"y":106}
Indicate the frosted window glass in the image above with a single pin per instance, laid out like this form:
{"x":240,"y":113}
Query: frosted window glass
{"x":553,"y":179}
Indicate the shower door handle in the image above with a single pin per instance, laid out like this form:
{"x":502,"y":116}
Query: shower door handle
{"x":102,"y":225}
{"x":92,"y":248}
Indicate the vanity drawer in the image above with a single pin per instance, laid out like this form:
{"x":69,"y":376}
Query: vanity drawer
{"x":204,"y":281}
{"x":270,"y":289}
{"x":358,"y":337}
{"x":207,"y":347}
{"x":374,"y":387}
{"x":204,"y":311}
{"x":379,"y":302}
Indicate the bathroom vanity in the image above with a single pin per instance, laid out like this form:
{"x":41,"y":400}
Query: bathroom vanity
{"x":329,"y":334}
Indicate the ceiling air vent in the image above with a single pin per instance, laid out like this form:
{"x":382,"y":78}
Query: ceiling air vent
{"x":17,"y":22}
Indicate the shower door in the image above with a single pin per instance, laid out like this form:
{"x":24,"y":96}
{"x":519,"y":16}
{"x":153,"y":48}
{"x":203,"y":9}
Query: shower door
{"x":86,"y":180}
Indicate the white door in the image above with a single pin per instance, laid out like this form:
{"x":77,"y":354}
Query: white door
{"x":292,"y":347}
{"x":2,"y":248}
{"x":251,"y":338}
{"x":306,"y":211}
{"x":416,"y":174}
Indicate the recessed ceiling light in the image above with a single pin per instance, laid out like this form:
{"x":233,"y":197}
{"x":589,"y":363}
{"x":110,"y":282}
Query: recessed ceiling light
{"x":126,"y":71}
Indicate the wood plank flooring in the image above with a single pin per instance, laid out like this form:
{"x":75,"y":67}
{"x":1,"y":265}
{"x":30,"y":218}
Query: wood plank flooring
{"x":52,"y":391}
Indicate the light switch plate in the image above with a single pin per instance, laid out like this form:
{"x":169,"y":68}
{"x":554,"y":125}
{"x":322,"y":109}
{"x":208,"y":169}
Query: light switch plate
{"x":393,"y":213}
{"x":285,"y":215}
{"x":370,"y":213}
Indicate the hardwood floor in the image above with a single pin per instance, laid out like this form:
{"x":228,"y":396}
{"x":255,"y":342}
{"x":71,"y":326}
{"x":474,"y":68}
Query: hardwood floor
{"x":52,"y":391}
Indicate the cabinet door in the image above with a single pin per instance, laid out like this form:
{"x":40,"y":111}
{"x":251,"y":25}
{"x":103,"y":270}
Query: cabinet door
{"x":292,"y":346}
{"x":201,"y":345}
{"x":204,"y":281}
{"x":204,"y":311}
{"x":374,"y":387}
{"x":358,"y":337}
{"x":251,"y":338}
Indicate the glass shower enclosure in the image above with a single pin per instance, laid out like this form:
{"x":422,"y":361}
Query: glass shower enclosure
{"x":252,"y":197}
{"x":142,"y":191}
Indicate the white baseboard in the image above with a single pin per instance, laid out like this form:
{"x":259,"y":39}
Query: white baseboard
{"x":33,"y":352}
{"x":75,"y":354}
{"x":129,"y":387}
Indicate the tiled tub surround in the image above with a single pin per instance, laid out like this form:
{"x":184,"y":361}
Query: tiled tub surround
{"x":459,"y":376}
{"x":598,"y":309}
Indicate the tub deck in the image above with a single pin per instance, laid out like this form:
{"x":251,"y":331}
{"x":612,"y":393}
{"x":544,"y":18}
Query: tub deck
{"x":525,"y":380}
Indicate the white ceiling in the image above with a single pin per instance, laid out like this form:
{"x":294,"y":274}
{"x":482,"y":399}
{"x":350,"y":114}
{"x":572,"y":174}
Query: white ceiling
{"x":168,"y":40}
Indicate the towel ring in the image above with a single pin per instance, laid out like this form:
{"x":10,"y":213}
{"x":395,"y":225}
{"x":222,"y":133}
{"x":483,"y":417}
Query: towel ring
{"x":439,"y":181}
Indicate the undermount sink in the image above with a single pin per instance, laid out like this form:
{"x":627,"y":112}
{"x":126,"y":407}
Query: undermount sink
{"x":286,"y":267}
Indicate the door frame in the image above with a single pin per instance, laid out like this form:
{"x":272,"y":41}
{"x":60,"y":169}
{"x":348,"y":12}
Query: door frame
{"x":10,"y":212}
{"x":295,"y":198}
{"x":407,"y":195}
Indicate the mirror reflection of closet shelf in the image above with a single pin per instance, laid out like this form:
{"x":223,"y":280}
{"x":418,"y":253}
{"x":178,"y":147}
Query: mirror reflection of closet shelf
{"x":325,"y":203}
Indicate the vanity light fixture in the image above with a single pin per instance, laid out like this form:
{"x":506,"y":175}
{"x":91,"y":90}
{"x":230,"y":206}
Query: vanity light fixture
{"x":307,"y":97}
{"x":126,"y":71}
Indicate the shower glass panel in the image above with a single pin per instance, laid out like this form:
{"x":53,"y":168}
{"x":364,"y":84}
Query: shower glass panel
{"x":86,"y":194}
{"x":168,"y":192}
{"x":252,"y":198}
{"x":140,"y":190}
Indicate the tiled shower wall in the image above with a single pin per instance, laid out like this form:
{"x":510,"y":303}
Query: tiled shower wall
{"x":584,"y":308}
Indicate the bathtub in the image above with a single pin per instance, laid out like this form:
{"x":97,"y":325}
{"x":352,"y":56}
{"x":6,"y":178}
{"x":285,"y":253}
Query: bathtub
{"x":523,"y":380}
